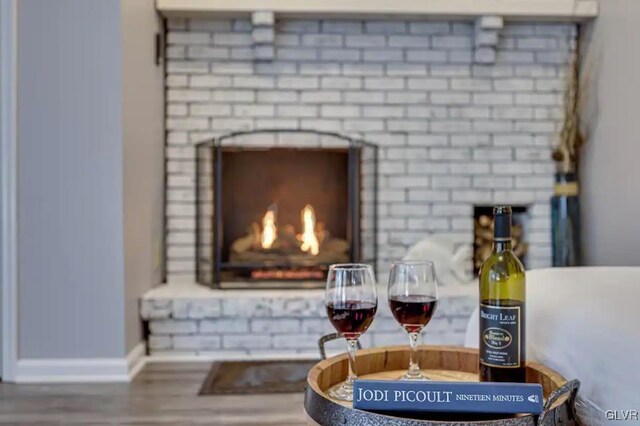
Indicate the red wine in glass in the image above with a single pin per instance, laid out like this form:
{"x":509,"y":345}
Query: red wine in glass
{"x":413,"y":312}
{"x":413,"y":298}
{"x":351,"y":300}
{"x":351,"y":318}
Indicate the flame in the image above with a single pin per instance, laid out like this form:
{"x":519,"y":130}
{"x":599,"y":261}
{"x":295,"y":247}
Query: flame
{"x":269,"y":230}
{"x":309,"y":240}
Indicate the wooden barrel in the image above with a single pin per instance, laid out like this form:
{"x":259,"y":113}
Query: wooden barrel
{"x":439,"y":363}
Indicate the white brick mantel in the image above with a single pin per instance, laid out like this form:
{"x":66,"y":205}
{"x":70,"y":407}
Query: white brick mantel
{"x":487,"y":14}
{"x":442,"y":9}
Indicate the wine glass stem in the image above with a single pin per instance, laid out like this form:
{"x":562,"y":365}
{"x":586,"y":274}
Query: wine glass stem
{"x":352,"y":346}
{"x":414,"y":368}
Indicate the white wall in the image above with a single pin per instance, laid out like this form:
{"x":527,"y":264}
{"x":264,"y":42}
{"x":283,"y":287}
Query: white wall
{"x":143,"y":140}
{"x":611,"y":170}
{"x":70,"y":204}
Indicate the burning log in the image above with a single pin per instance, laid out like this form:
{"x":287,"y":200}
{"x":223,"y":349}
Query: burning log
{"x":271,"y":243}
{"x":483,"y":240}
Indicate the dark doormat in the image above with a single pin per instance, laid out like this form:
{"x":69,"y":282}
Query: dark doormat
{"x":243,"y":378}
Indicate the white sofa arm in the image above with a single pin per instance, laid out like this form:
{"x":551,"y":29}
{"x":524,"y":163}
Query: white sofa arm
{"x":585,"y":324}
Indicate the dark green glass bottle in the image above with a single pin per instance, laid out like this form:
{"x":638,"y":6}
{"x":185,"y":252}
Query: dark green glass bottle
{"x":502,"y":308}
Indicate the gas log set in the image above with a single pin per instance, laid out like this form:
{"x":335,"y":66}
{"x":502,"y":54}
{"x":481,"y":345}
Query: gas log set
{"x":270,"y":242}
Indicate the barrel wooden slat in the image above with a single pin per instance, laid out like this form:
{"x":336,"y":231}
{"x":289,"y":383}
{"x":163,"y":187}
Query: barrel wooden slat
{"x":379,"y":363}
{"x":338,"y":371}
{"x":395,"y":358}
{"x":439,"y":362}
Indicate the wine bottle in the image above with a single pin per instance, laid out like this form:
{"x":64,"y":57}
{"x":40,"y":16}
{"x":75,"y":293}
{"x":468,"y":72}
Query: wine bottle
{"x":502,"y":308}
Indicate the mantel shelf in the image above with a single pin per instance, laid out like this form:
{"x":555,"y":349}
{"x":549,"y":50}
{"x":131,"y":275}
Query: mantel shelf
{"x":554,"y":10}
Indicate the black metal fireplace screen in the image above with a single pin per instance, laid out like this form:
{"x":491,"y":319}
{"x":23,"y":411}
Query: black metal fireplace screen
{"x":276,"y":207}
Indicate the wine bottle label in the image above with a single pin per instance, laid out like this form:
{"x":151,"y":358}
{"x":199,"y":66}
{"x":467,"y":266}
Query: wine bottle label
{"x":500,"y":339}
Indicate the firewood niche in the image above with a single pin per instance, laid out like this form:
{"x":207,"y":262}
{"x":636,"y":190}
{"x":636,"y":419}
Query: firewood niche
{"x":483,"y":234}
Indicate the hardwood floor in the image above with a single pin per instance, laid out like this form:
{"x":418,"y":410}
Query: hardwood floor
{"x":160,"y":394}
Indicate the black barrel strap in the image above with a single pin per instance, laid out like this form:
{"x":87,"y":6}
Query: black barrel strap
{"x":327,"y":338}
{"x":571,"y":388}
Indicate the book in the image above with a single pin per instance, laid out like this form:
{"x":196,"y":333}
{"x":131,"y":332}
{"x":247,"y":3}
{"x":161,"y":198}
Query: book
{"x":467,"y":397}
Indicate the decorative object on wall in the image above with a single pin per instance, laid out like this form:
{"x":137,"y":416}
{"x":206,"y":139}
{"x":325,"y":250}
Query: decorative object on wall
{"x":565,"y":205}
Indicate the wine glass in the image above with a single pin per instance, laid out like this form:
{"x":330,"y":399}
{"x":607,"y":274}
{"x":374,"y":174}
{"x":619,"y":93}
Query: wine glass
{"x":351,"y":301}
{"x":413,"y":298}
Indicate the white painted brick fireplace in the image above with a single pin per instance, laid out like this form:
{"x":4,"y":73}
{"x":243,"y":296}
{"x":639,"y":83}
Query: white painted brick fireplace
{"x":453,"y":134}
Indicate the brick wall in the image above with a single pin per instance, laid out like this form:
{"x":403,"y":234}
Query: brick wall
{"x":452,"y":133}
{"x":272,"y":324}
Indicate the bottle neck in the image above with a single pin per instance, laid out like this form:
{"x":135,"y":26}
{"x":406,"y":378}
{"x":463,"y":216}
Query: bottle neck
{"x":501,"y":245}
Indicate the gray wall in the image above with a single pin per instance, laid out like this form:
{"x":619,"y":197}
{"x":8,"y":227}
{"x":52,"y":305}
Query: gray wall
{"x":70,"y":186}
{"x":90,"y":174}
{"x":611,"y":168}
{"x":143,"y":127}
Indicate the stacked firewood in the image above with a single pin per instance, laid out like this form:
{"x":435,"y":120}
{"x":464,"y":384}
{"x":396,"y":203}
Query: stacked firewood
{"x":483,"y":232}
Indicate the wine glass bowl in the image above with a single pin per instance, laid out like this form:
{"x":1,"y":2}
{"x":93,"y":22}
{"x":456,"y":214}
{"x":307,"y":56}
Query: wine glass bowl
{"x":350,"y":318}
{"x":413,"y":299}
{"x":351,"y":301}
{"x":413,"y":312}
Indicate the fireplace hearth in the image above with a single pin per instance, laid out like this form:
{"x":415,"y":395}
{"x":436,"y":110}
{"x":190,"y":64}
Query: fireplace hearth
{"x":278,"y":215}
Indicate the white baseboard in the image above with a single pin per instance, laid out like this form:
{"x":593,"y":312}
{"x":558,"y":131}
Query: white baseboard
{"x":82,"y":370}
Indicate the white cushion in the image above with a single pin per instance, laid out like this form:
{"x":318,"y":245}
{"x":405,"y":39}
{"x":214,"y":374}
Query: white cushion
{"x":585,"y":324}
{"x":449,"y":256}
